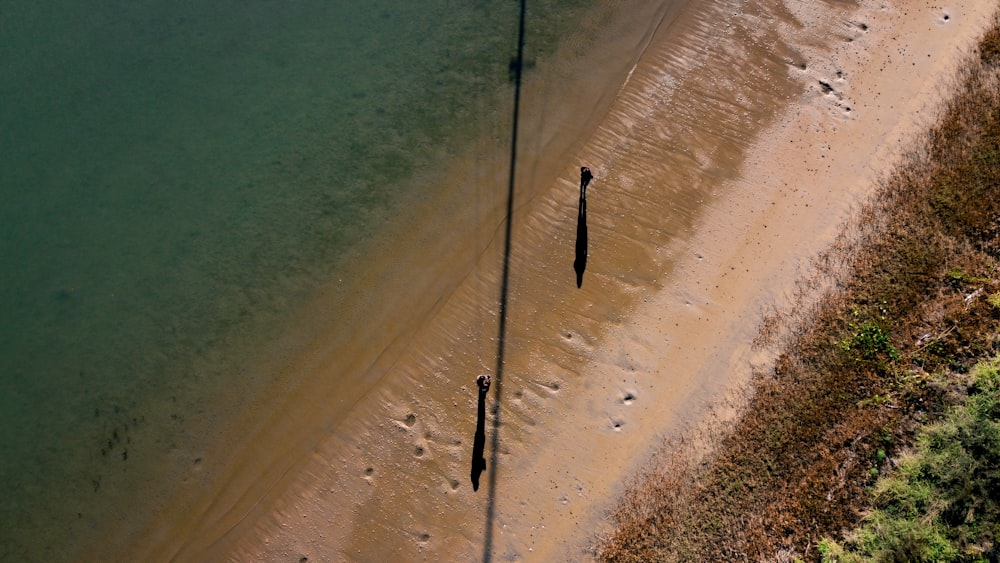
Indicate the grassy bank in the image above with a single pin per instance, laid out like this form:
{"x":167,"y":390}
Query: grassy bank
{"x":942,"y":502}
{"x":914,"y":306}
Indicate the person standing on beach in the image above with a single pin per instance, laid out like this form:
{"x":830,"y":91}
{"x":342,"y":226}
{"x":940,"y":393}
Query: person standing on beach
{"x":585,"y":178}
{"x":483,"y":382}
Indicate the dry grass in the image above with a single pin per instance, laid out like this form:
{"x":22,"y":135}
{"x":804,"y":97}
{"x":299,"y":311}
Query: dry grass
{"x":861,"y":368}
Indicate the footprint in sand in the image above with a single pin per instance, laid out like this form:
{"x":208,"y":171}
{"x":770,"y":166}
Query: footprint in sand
{"x":407,"y":423}
{"x":617,"y":423}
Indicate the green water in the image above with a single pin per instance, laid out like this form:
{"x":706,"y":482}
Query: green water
{"x":176,"y":178}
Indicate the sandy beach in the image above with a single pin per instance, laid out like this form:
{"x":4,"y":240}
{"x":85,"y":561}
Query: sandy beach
{"x":740,"y":141}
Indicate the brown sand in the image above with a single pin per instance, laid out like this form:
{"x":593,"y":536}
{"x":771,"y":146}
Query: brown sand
{"x":739,"y":143}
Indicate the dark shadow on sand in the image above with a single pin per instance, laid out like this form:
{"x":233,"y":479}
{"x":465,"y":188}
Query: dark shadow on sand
{"x":580,"y":264}
{"x":479,"y":443}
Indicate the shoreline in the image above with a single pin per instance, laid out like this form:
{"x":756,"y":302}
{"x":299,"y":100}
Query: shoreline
{"x":273,"y":441}
{"x":570,"y":437}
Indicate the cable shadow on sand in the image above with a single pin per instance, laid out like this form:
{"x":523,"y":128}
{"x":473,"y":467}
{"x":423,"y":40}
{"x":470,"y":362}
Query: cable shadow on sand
{"x":516,"y":70}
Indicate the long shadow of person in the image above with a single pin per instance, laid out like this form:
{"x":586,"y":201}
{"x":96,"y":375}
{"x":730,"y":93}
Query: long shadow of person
{"x":580,"y":264}
{"x":479,"y":443}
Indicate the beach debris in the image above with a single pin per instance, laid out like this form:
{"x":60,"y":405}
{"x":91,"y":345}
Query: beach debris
{"x":970,"y":297}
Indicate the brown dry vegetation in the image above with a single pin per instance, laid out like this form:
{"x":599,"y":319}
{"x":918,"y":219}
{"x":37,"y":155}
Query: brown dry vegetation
{"x":912,"y":279}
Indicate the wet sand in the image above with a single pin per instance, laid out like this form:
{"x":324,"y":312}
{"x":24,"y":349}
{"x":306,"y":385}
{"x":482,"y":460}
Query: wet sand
{"x":728,"y":158}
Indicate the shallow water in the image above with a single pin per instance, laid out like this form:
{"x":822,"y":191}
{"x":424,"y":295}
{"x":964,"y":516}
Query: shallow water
{"x":179,"y":180}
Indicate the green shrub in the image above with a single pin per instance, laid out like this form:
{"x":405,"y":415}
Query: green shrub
{"x":870,"y":341}
{"x":943,"y":500}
